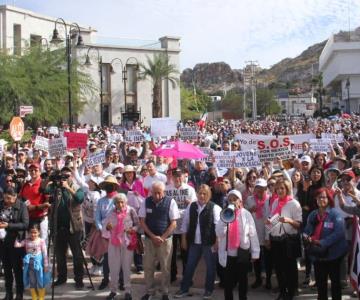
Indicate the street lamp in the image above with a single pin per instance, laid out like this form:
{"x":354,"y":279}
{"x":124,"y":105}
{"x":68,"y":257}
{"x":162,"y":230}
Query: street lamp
{"x":69,"y":35}
{"x":347,"y":85}
{"x":88,"y":63}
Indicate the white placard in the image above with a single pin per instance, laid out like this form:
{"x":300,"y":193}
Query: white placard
{"x":26,"y":110}
{"x":82,"y":130}
{"x":209,"y":152}
{"x":134,"y":136}
{"x":53,"y":130}
{"x":188,"y":133}
{"x":320,"y":145}
{"x":334,"y":137}
{"x":41,"y":143}
{"x":57,"y":147}
{"x":163,"y":127}
{"x":95,"y":159}
{"x":237,"y":159}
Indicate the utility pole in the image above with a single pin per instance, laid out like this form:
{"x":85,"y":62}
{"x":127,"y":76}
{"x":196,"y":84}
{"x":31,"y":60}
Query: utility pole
{"x":251,"y":68}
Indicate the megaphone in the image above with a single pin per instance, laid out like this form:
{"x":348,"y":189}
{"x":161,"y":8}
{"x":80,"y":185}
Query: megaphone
{"x":227,"y":215}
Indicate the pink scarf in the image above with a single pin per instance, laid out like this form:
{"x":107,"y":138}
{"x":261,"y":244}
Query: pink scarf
{"x":117,"y":232}
{"x":319,"y":227}
{"x":281,"y":203}
{"x":260,"y":206}
{"x":273,"y":197}
{"x":234,"y":233}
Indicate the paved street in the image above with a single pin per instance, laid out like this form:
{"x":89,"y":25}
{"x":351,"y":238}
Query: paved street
{"x":68,"y":291}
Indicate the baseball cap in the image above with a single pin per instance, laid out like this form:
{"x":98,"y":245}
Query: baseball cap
{"x":235,"y":193}
{"x":34,"y":166}
{"x":349,"y":173}
{"x":305,"y":158}
{"x":261,"y":182}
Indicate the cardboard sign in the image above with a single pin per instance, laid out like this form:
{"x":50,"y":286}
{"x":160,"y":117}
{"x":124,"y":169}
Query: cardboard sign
{"x":188,"y":133}
{"x":320,"y":145}
{"x":57,"y":147}
{"x":95,"y":159}
{"x":163,"y":127}
{"x":41,"y":143}
{"x":76,"y":140}
{"x":134,"y":136}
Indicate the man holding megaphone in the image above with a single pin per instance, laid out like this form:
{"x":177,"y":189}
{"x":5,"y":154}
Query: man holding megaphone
{"x":238,"y":244}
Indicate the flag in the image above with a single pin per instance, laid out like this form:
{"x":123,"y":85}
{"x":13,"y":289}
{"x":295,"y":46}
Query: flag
{"x":202,"y":121}
{"x":355,"y":257}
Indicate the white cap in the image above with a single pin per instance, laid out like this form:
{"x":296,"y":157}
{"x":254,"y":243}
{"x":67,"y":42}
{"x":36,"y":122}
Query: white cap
{"x":261,"y":182}
{"x":305,"y":158}
{"x":235,"y":193}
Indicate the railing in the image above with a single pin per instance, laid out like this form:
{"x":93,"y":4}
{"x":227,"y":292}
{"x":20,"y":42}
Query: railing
{"x":123,"y":42}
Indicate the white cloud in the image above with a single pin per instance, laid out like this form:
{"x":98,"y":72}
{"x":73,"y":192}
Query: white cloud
{"x":213,"y":30}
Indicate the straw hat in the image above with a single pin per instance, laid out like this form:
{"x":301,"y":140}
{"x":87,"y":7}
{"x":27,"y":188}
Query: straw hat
{"x":128,"y":168}
{"x":109,"y":180}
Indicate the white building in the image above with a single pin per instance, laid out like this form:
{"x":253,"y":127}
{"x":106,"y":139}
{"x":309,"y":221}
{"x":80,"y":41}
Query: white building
{"x":339,"y":63}
{"x":20,"y":28}
{"x":294,"y":105}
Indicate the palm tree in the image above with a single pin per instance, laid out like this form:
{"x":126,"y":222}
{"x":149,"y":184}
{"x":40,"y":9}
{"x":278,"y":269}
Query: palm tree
{"x":159,"y":69}
{"x":317,"y":83}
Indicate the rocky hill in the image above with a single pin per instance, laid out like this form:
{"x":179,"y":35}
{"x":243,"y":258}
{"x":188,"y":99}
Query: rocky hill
{"x":290,"y":72}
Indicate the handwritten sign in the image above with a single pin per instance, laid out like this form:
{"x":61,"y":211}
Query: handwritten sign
{"x":188,"y":133}
{"x":41,"y":143}
{"x":134,"y":136}
{"x":334,"y":137}
{"x":320,"y":145}
{"x":57,"y":147}
{"x":96,"y":159}
{"x":53,"y":130}
{"x":237,"y":159}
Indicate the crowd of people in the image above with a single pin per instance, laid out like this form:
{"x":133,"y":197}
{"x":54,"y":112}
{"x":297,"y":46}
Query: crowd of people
{"x":141,"y":210}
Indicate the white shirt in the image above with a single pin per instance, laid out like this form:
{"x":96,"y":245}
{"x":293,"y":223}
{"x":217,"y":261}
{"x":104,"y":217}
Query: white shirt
{"x":348,"y":202}
{"x":149,"y":180}
{"x":186,"y":220}
{"x":183,"y":195}
{"x":259,"y":223}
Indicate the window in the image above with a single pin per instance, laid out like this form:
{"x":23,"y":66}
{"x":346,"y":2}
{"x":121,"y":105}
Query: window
{"x":106,"y":87}
{"x":17,"y":39}
{"x":131,"y":78}
{"x":35,"y":40}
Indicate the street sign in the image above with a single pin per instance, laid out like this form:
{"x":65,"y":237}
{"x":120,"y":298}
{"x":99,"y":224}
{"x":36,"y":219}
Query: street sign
{"x":26,"y":110}
{"x":16,"y":129}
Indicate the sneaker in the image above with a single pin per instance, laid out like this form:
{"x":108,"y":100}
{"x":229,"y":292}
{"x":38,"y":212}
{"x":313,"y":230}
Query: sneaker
{"x":207,"y":295}
{"x":128,"y":296}
{"x":98,"y":271}
{"x":103,"y":285}
{"x":354,"y":294}
{"x":111,"y":296}
{"x":181,"y":294}
{"x":59,"y":282}
{"x":146,"y":297}
{"x":165,"y":297}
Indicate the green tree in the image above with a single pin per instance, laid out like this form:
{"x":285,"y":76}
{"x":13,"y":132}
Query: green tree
{"x":317,"y":84}
{"x":266,"y":102}
{"x":39,"y":78}
{"x":194,"y":104}
{"x":158,"y":69}
{"x":234,"y":102}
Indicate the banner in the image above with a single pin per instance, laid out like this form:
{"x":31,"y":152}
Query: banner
{"x":188,"y":133}
{"x":41,"y":143}
{"x":209,"y":152}
{"x":96,"y":159}
{"x":251,"y":141}
{"x":334,"y":137}
{"x":237,"y":159}
{"x":134,"y":136}
{"x":355,"y":257}
{"x":320,"y":145}
{"x":57,"y":147}
{"x":76,"y":140}
{"x":163,"y":127}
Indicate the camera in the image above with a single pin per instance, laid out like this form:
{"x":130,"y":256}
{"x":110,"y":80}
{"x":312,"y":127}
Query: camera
{"x":57,"y":177}
{"x":5,"y":215}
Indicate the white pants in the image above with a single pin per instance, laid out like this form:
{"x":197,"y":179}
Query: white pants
{"x":119,"y":258}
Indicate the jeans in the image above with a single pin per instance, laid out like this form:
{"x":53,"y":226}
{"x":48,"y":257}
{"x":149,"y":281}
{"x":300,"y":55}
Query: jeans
{"x":194,"y":255}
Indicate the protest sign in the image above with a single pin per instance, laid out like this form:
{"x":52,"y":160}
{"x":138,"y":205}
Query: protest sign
{"x":95,"y":159}
{"x":57,"y":147}
{"x":134,"y":136}
{"x":76,"y":140}
{"x":41,"y":143}
{"x":188,"y":133}
{"x":82,"y":130}
{"x":333,"y":137}
{"x":208,"y":152}
{"x":53,"y":130}
{"x":320,"y":145}
{"x":115,"y":137}
{"x":237,"y":159}
{"x":163,"y":127}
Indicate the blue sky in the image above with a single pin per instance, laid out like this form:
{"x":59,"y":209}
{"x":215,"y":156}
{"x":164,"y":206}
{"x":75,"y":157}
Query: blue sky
{"x":232,"y":31}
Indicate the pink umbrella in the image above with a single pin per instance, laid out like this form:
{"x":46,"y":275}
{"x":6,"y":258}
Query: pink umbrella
{"x":346,"y":116}
{"x":179,"y":150}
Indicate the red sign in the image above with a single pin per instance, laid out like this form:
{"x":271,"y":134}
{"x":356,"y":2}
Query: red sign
{"x":76,"y":140}
{"x":16,"y":129}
